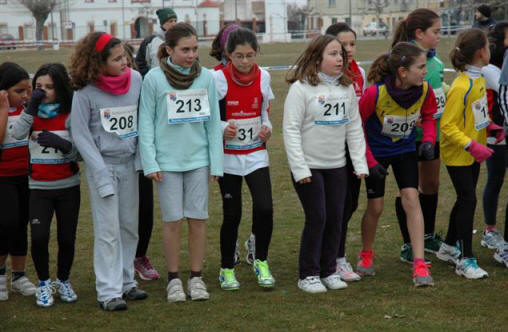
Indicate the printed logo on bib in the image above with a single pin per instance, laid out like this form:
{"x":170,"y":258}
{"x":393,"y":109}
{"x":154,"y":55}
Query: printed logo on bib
{"x":188,"y":106}
{"x":331,"y":110}
{"x":481,"y":113}
{"x":9,"y":140}
{"x":45,"y":155}
{"x":122,"y":121}
{"x":440,"y":101}
{"x":399,"y":126}
{"x":247,"y":136}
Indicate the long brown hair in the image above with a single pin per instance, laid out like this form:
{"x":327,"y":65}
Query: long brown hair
{"x":421,"y":18}
{"x":402,"y":55}
{"x":306,"y":67}
{"x":467,"y":43}
{"x":87,"y":62}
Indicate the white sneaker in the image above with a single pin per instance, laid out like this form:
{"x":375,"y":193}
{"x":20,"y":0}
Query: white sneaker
{"x":450,"y":254}
{"x":468,"y":267}
{"x":196,"y":289}
{"x":44,"y":293}
{"x":345,"y":270}
{"x":333,"y":281}
{"x":65,"y":291}
{"x":492,"y":239}
{"x":311,"y":284}
{"x":4,"y":293}
{"x":174,"y":291}
{"x":23,"y":286}
{"x":501,"y":255}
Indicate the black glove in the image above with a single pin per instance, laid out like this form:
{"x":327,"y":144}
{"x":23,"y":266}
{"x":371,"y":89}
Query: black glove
{"x":426,"y":150}
{"x":37,"y":96}
{"x":378,"y":172}
{"x":48,"y":139}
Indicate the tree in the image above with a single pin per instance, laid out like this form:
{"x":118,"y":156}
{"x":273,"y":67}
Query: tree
{"x":40,"y":10}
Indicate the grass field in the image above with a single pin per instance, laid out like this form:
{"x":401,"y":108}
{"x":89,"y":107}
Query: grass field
{"x":387,"y":301}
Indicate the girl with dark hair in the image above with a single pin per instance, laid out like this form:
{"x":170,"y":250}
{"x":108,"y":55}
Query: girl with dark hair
{"x":244,"y":92}
{"x":14,"y":94}
{"x":422,"y":27}
{"x":321,"y":107}
{"x":347,"y":38}
{"x":497,"y":163}
{"x":464,"y":135}
{"x":181,"y":148}
{"x":390,"y":109}
{"x":218,"y":50}
{"x":104,"y":130}
{"x":54,"y":178}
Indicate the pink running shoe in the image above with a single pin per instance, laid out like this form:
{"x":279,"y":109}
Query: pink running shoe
{"x":365,"y":265}
{"x":145,"y":269}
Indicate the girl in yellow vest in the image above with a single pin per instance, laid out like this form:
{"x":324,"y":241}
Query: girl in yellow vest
{"x":463,"y":137}
{"x":390,"y":109}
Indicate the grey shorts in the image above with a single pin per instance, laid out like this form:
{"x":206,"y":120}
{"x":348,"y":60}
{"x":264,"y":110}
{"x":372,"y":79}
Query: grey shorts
{"x":184,"y":194}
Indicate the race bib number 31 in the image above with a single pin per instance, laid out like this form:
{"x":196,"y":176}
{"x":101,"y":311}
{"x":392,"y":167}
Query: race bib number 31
{"x":45,"y":155}
{"x":188,"y":106}
{"x":247,"y":136}
{"x":397,"y":126}
{"x":122,"y":121}
{"x":481,"y":113}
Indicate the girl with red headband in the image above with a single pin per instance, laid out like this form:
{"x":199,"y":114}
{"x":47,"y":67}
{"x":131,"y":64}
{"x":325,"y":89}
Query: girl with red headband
{"x":104,"y":130}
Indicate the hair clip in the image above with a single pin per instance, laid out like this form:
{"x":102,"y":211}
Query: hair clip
{"x":403,"y":59}
{"x":388,"y":54}
{"x":457,"y":48}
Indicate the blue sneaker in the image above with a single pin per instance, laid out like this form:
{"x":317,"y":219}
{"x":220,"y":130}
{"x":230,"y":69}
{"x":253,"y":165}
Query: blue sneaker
{"x":44,"y":293}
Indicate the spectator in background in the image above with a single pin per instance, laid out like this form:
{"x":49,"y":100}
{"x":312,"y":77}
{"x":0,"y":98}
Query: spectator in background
{"x":482,"y":18}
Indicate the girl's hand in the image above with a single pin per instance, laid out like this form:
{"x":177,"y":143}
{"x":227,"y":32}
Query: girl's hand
{"x":264,"y":134}
{"x":214,"y":178}
{"x":156,"y":176}
{"x":305,"y":180}
{"x":361,"y":176}
{"x":230,"y":131}
{"x":4,"y":100}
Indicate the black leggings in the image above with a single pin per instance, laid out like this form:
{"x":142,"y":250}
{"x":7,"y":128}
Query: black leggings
{"x":262,"y":213}
{"x":14,"y":195}
{"x":350,"y":205}
{"x":145,"y":215}
{"x":496,"y":169}
{"x":464,"y":179}
{"x":65,"y":204}
{"x":323,"y":204}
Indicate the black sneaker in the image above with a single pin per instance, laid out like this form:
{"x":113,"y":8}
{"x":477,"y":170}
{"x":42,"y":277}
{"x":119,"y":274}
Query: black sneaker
{"x":114,"y":304}
{"x":406,"y":254}
{"x":135,"y":294}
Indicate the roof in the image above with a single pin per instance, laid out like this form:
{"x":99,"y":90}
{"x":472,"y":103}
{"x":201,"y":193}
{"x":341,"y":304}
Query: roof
{"x":209,"y":4}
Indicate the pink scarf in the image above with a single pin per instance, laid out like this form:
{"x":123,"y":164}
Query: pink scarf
{"x":116,"y":85}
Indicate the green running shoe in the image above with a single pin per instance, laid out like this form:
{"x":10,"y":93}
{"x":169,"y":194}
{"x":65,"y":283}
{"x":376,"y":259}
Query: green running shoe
{"x":263,"y":274}
{"x":406,"y":254}
{"x":432,"y":243}
{"x":228,"y":280}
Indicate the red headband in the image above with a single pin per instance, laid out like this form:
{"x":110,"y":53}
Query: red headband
{"x":102,"y":41}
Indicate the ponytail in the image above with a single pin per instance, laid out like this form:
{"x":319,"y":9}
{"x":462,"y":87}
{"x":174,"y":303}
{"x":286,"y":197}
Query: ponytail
{"x":402,"y":55}
{"x":420,"y":18}
{"x":466,"y":45}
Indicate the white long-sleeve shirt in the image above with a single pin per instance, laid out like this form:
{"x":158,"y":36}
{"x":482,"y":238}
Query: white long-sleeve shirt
{"x":310,"y":138}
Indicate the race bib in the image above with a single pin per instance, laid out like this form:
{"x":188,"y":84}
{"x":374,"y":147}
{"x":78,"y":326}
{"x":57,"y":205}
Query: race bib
{"x":331,"y":110}
{"x":188,"y":106}
{"x":481,"y":113}
{"x":440,"y":101}
{"x":122,"y":121}
{"x":398,"y":126}
{"x":45,"y":155}
{"x":247,"y":135}
{"x":9,"y":140}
